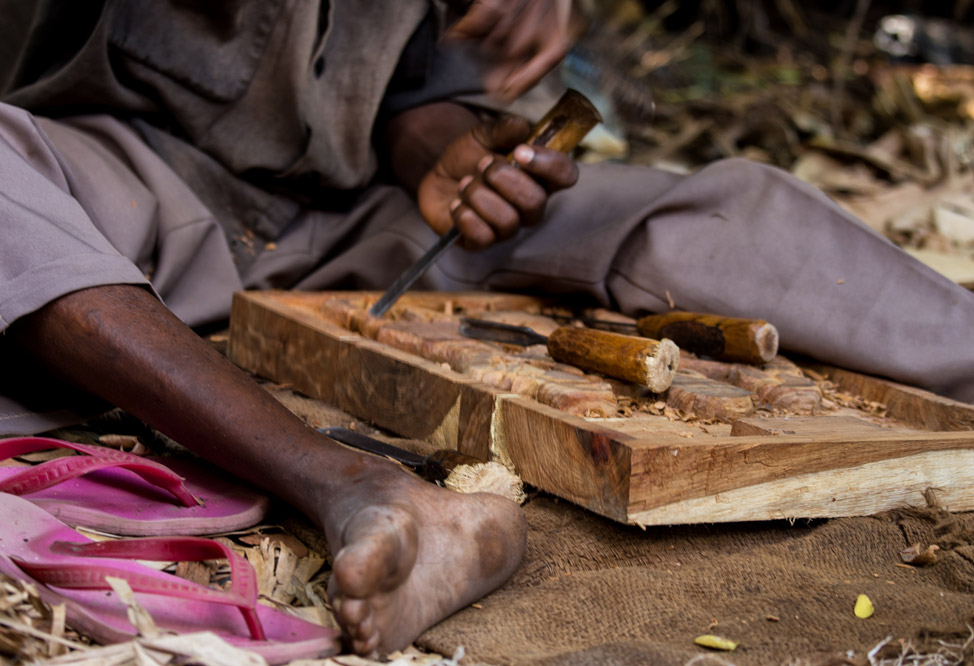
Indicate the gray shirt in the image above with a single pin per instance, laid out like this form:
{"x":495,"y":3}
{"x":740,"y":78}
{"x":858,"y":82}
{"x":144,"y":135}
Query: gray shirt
{"x":257,"y":84}
{"x":243,"y":98}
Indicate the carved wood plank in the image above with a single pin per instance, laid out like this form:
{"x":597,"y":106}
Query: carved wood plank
{"x":664,"y":473}
{"x":638,"y":473}
{"x":708,"y":398}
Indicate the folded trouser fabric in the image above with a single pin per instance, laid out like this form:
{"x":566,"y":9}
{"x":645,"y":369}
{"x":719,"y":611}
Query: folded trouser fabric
{"x":120,"y":493}
{"x":736,"y":238}
{"x":67,"y":568}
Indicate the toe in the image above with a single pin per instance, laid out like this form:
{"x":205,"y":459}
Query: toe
{"x":379,"y":552}
{"x":365,"y":629}
{"x":366,"y":647}
{"x":351,"y":613}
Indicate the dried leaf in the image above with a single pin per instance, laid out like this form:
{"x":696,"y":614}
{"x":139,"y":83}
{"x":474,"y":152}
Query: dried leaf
{"x":205,"y":647}
{"x":123,"y":442}
{"x":58,"y":616}
{"x":296,"y":545}
{"x":137,"y":615}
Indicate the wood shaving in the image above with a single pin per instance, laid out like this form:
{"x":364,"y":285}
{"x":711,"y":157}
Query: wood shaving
{"x":919,"y":556}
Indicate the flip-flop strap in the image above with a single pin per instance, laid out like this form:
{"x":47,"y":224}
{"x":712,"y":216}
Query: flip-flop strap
{"x":56,"y":471}
{"x":87,"y":575}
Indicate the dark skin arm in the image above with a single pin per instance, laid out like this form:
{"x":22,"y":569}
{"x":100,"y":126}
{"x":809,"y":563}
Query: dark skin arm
{"x":401,"y":563}
{"x":134,"y":353}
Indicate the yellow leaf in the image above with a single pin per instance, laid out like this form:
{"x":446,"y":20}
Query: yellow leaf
{"x":864,"y":607}
{"x":715,"y":642}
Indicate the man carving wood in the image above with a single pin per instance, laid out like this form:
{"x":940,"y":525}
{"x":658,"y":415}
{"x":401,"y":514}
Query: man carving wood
{"x":172,"y":152}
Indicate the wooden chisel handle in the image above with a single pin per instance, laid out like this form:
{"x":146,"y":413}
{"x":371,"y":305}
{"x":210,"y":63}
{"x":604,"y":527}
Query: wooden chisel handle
{"x":753,"y":341}
{"x":565,"y":124}
{"x":652,"y":363}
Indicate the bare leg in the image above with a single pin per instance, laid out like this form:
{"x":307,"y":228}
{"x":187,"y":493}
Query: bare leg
{"x":408,"y":553}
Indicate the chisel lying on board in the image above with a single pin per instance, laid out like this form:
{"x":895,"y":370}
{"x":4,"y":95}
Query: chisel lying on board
{"x":752,"y":341}
{"x":652,"y":363}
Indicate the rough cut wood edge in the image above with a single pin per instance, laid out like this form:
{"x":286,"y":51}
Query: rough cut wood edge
{"x":585,"y":463}
{"x":668,"y":472}
{"x":911,"y":405}
{"x":395,"y":390}
{"x":855,"y":491}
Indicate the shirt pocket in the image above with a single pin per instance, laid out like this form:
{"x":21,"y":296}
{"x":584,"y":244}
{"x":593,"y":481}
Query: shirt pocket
{"x":212,"y":47}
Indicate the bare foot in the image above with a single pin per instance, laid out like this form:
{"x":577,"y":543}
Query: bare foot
{"x":412,"y":554}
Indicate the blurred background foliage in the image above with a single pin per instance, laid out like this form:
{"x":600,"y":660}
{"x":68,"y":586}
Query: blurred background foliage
{"x":870,"y":100}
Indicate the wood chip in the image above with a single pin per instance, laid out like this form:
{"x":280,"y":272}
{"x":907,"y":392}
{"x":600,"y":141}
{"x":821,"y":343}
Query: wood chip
{"x":919,"y":556}
{"x":122,"y":442}
{"x":137,"y":615}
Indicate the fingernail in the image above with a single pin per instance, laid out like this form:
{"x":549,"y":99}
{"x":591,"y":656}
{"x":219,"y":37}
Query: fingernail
{"x":465,"y":183}
{"x":524,"y":154}
{"x":454,"y":205}
{"x":485,"y":163}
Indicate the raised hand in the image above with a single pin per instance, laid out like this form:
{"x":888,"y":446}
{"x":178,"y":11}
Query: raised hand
{"x":522,"y":40}
{"x":475,"y":188}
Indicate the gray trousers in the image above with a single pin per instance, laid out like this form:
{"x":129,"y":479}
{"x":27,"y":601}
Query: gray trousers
{"x":85,"y":203}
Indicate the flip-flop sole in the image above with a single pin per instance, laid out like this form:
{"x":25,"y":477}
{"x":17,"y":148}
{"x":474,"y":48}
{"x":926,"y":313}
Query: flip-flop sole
{"x":26,"y":533}
{"x":119,"y":502}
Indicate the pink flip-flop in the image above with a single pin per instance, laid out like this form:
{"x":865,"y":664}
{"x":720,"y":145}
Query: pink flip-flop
{"x":121,"y":493}
{"x":68,"y":568}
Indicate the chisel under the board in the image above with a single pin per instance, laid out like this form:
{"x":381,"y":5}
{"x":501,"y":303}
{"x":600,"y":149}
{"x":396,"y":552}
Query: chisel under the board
{"x":434,"y":467}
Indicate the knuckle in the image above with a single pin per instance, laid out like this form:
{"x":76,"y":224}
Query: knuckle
{"x":508,"y":220}
{"x":534,"y":200}
{"x":500,"y":174}
{"x":476,"y":233}
{"x":505,"y":222}
{"x":571,"y":176}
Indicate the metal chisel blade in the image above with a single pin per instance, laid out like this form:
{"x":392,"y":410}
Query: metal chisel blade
{"x":373,"y":445}
{"x":498,"y":332}
{"x":413,"y":273}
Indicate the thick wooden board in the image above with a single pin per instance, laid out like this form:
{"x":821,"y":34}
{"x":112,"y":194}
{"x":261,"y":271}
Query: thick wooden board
{"x":645,"y":470}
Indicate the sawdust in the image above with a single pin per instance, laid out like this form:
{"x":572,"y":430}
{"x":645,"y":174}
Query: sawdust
{"x":490,"y":477}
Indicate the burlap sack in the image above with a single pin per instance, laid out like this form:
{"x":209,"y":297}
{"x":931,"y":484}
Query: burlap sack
{"x":594,"y":592}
